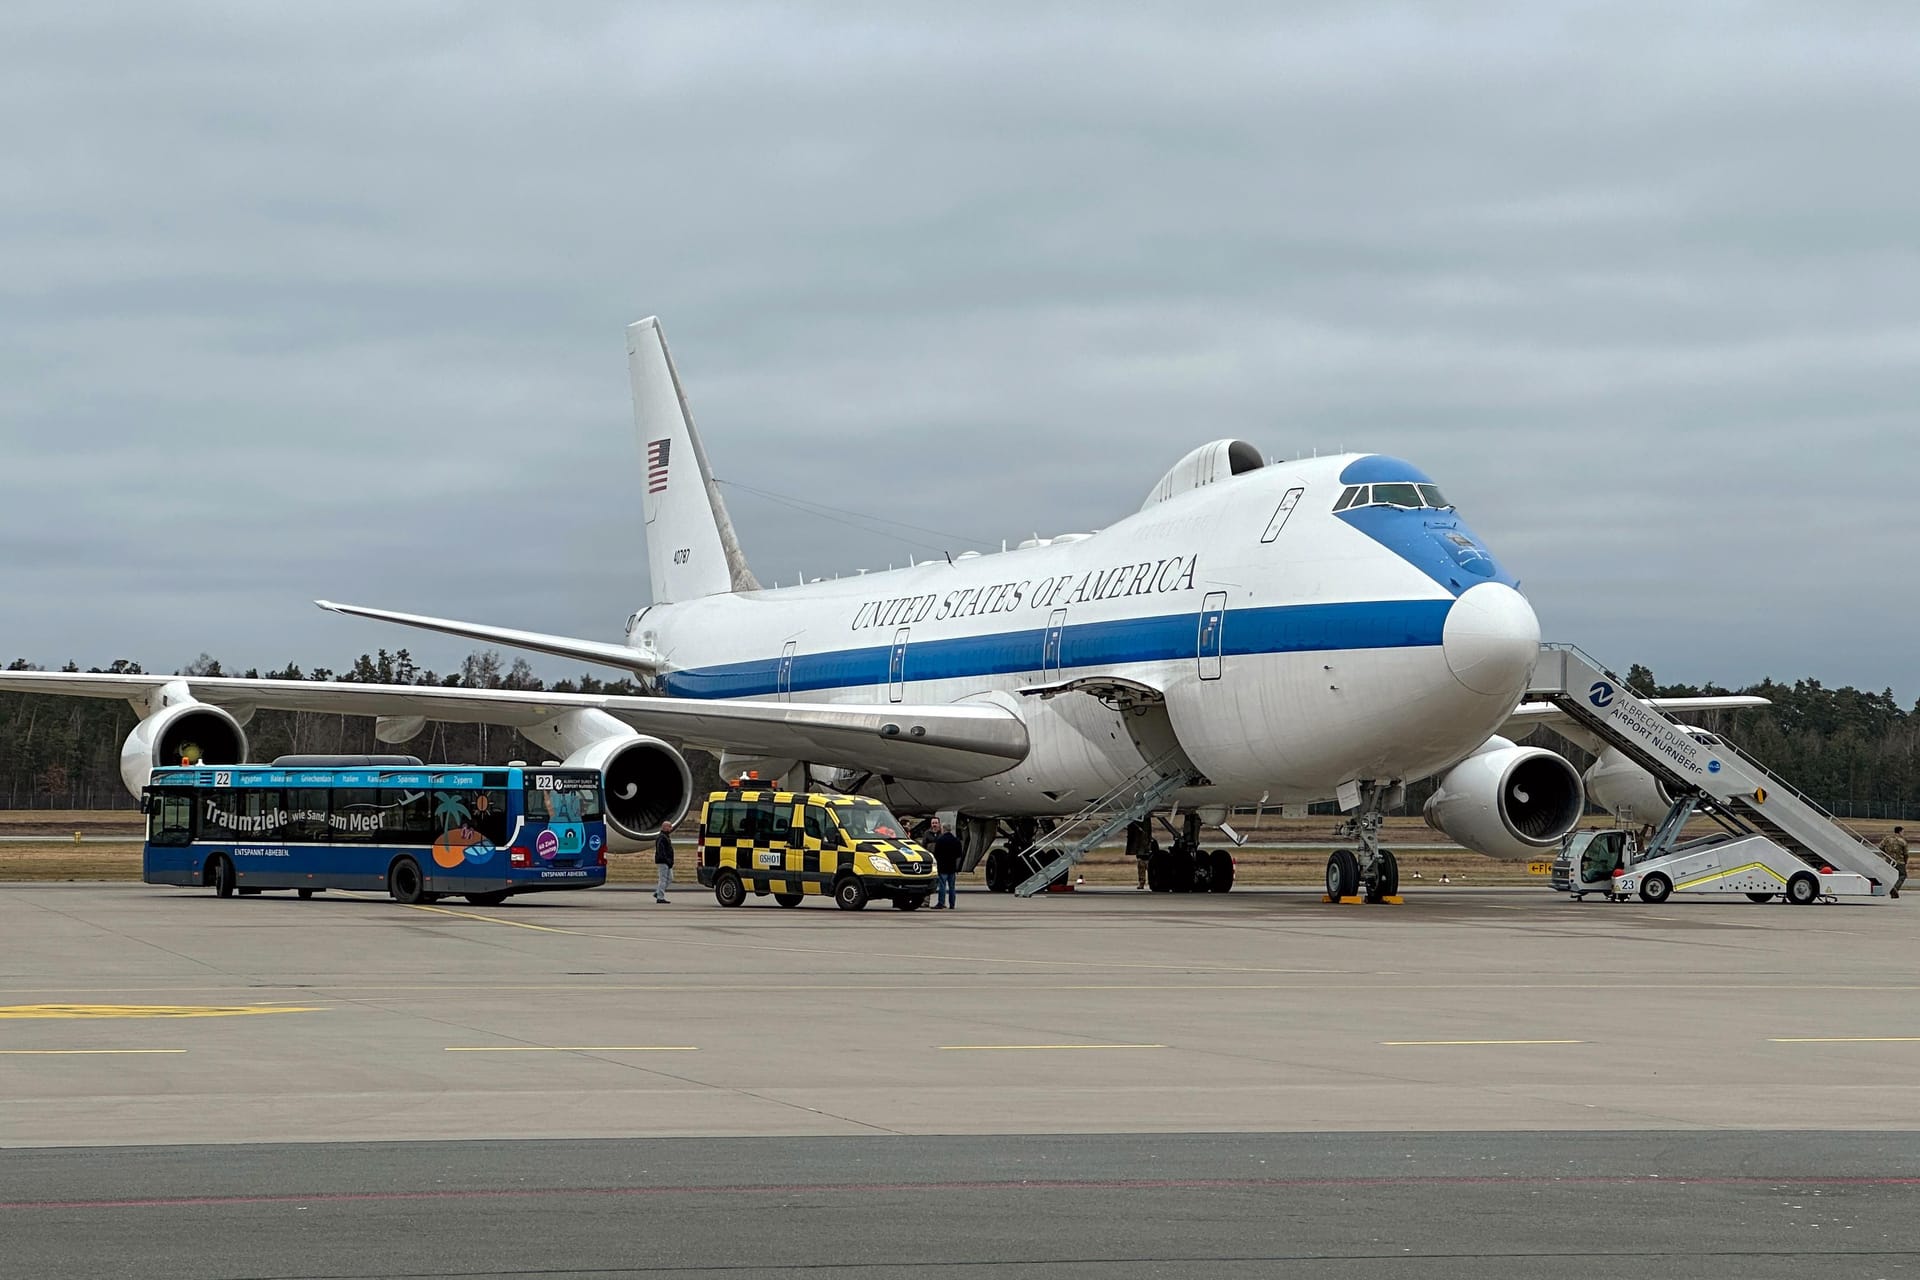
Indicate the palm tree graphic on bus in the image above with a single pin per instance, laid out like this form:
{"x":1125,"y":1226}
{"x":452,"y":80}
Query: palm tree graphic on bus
{"x":458,"y":842}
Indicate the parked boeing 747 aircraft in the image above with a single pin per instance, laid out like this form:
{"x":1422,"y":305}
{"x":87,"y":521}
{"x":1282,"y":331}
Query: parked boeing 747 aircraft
{"x":1256,"y":632}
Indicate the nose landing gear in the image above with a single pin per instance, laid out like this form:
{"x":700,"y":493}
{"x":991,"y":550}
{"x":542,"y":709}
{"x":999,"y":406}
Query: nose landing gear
{"x":1365,"y":873}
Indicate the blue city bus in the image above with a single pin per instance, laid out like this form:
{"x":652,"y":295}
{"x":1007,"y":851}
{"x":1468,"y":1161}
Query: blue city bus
{"x":419,"y":832}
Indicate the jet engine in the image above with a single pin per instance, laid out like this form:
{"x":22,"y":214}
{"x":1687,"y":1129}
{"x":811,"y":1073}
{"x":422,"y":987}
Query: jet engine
{"x":646,"y":781}
{"x":1508,"y":801}
{"x":194,"y":731}
{"x":1624,"y":789}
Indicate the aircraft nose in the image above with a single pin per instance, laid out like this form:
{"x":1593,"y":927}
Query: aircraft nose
{"x":1491,"y":639}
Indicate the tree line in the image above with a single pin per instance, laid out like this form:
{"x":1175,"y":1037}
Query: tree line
{"x":1856,"y":752}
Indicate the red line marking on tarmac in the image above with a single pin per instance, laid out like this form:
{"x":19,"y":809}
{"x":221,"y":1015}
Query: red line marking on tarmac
{"x":1049,"y":1184}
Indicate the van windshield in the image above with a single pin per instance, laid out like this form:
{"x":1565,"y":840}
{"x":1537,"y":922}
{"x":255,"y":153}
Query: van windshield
{"x":869,"y":822}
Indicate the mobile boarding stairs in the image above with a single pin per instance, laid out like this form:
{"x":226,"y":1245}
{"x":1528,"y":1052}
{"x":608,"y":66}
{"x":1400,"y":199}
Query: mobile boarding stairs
{"x":1772,"y":840}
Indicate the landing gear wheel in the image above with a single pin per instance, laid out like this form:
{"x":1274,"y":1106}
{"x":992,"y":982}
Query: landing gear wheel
{"x":1655,"y":888}
{"x":1202,"y":881}
{"x":306,"y":893}
{"x":999,"y":871}
{"x":908,"y":904}
{"x":1157,"y":871}
{"x":727,"y":889}
{"x":1343,"y":875}
{"x":1386,"y":877}
{"x":1222,"y":879}
{"x":405,"y":882}
{"x":850,"y":894}
{"x":491,"y":898}
{"x":1802,"y":889}
{"x":789,"y":899}
{"x":1760,"y":897}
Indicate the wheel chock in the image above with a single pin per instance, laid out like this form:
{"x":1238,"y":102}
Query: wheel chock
{"x":1394,"y":899}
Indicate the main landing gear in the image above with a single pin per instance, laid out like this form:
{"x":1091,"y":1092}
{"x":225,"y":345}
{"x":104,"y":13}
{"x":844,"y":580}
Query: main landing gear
{"x":1182,"y":867}
{"x":1366,"y":872}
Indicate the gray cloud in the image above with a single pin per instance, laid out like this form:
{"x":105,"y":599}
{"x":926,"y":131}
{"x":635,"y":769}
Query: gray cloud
{"x":327,"y":302}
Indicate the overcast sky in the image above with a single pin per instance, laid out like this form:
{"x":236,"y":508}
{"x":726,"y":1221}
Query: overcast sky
{"x":306,"y":301}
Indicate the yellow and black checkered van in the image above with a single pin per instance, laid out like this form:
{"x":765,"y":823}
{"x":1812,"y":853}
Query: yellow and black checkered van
{"x":793,"y":843}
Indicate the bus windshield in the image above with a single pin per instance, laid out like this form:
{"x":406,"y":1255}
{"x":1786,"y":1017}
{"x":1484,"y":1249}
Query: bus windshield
{"x":572,"y":796}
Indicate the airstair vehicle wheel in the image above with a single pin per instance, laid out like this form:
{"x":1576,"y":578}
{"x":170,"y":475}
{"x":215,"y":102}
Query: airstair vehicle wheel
{"x":1802,"y":889}
{"x":1760,"y":897}
{"x":405,"y":882}
{"x":850,"y":894}
{"x":727,"y":889}
{"x":1222,"y":879}
{"x":1655,"y":888}
{"x":1343,"y":874}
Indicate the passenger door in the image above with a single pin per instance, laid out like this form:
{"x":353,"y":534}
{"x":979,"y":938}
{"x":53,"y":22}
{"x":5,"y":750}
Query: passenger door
{"x":783,"y":676}
{"x":1050,"y":646}
{"x":1213,"y":625}
{"x":897,"y":667}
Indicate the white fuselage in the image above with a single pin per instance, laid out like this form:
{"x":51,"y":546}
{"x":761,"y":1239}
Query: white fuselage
{"x":1296,"y":649}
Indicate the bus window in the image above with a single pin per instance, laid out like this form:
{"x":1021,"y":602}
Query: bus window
{"x":563,"y":797}
{"x":170,"y":821}
{"x":408,"y":815}
{"x":355,"y":816}
{"x":255,"y":815}
{"x":307,"y":815}
{"x":484,"y":811}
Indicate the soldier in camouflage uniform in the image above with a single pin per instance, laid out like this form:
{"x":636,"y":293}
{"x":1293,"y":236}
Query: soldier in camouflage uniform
{"x":1895,"y":847}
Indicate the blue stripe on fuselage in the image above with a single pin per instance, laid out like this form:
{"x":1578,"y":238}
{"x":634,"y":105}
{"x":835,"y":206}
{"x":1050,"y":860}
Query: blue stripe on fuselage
{"x":1302,"y":628}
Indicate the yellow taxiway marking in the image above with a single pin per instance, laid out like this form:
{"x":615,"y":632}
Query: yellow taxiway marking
{"x":1401,"y":1044}
{"x":574,"y":1048}
{"x":469,"y":915}
{"x":1843,"y":1039}
{"x":1003,"y":1047}
{"x":147,"y":1010}
{"x":59,"y":1053}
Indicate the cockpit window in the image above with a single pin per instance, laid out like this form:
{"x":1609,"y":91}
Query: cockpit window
{"x":1396,"y":495}
{"x":1393,"y":495}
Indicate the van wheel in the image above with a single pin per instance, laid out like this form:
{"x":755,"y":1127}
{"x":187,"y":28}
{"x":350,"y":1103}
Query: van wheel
{"x":789,"y":899}
{"x":1802,"y":889}
{"x":491,"y":898}
{"x":850,"y":894}
{"x":1656,"y":889}
{"x":405,"y":882}
{"x":219,"y":874}
{"x":727,"y":889}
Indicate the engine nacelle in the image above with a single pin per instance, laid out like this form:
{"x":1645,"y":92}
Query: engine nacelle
{"x":1507,"y":801}
{"x":647,"y":782}
{"x":197,"y":732}
{"x":1625,"y":790}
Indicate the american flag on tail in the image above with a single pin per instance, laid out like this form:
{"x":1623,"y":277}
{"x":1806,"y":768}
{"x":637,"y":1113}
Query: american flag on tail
{"x":657,"y":465}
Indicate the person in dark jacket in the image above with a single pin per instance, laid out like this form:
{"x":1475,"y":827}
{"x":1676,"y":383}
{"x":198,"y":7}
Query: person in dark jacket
{"x":947,"y":856}
{"x":663,"y":861}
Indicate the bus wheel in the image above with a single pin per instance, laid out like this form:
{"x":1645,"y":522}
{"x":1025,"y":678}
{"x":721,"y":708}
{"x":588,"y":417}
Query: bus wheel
{"x":405,"y":882}
{"x":305,"y":894}
{"x":789,"y":899}
{"x":727,"y":889}
{"x":219,"y":874}
{"x":850,"y":894}
{"x":491,"y":898}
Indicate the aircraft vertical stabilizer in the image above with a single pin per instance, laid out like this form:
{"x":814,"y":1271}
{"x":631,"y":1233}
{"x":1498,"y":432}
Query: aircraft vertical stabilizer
{"x":692,"y":550}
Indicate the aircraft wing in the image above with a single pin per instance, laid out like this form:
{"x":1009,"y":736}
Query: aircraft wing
{"x":614,"y":655}
{"x":940,"y":743}
{"x":1529,"y":716}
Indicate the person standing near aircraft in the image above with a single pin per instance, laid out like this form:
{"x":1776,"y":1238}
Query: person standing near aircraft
{"x":948,"y":853}
{"x":1895,"y":847}
{"x":663,"y":861}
